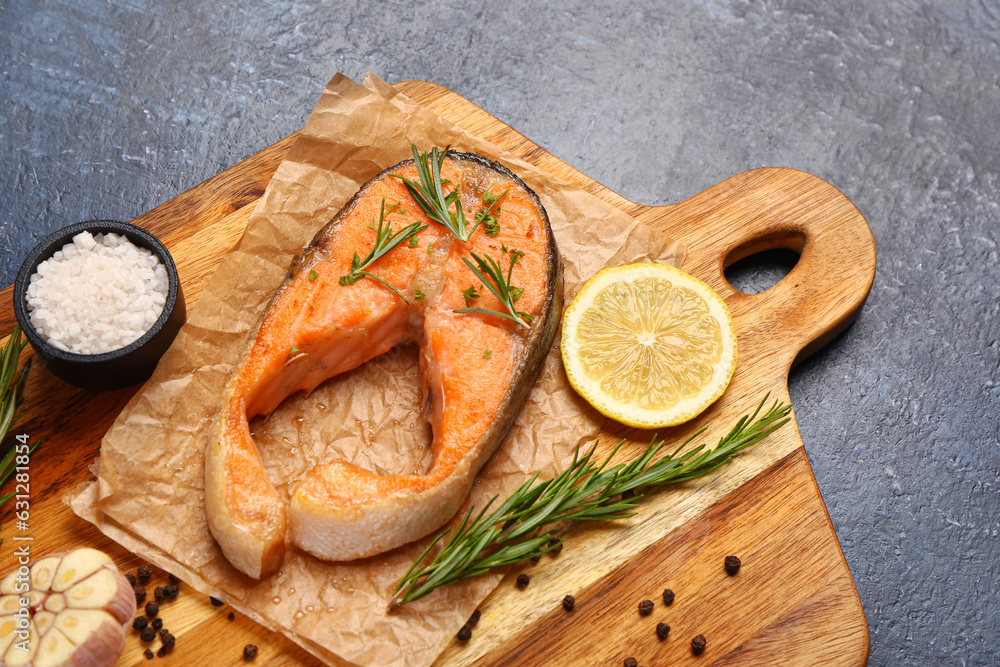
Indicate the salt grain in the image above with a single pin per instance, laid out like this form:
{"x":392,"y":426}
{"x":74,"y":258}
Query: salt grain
{"x":96,"y":294}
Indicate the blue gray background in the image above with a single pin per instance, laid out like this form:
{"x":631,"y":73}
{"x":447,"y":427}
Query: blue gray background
{"x":110,"y":107}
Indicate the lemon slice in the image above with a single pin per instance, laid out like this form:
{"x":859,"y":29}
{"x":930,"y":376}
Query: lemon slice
{"x":648,"y":345}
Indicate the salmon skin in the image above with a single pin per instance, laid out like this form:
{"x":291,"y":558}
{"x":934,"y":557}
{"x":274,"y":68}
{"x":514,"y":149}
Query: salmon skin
{"x":476,"y":369}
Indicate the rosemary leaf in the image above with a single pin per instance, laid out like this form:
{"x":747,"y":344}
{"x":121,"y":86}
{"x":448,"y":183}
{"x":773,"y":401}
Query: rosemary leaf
{"x":429,"y":193}
{"x":491,"y":275}
{"x":385,"y":241}
{"x":585,"y":491}
{"x":11,"y":383}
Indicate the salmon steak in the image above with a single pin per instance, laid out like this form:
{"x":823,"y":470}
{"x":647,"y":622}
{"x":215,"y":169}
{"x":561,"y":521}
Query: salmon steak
{"x":481,"y":347}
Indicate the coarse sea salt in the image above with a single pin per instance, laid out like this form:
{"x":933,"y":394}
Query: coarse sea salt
{"x":96,"y":294}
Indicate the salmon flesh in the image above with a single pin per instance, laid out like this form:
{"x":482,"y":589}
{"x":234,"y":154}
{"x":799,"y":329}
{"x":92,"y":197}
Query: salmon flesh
{"x":476,"y":369}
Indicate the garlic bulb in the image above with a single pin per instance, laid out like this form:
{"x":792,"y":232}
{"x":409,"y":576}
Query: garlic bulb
{"x":65,"y":610}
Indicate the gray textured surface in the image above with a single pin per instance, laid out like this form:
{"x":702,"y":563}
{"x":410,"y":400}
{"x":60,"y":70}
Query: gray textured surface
{"x":110,"y":108}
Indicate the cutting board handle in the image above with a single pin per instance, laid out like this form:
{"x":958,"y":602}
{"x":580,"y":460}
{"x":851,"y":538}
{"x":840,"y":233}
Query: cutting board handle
{"x":781,"y":208}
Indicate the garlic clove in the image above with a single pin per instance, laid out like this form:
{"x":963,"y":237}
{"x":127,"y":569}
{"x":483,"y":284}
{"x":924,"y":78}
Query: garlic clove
{"x":56,"y":650}
{"x":35,"y":599}
{"x":98,"y":637}
{"x":8,"y":625}
{"x":23,"y":649}
{"x":107,"y":590}
{"x":8,"y":585}
{"x":55,"y":603}
{"x":43,"y":621}
{"x":9,"y":604}
{"x":43,"y":571}
{"x":76,"y":565}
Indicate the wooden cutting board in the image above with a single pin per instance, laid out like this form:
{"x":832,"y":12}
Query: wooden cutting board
{"x":792,"y":603}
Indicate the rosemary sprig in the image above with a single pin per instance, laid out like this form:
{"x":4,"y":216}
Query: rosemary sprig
{"x":385,"y":240}
{"x":491,"y":274}
{"x":11,"y":385}
{"x":429,"y":193}
{"x":430,"y":196}
{"x":585,"y":491}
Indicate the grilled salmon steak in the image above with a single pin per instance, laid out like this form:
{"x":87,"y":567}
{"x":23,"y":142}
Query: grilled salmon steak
{"x":476,"y":367}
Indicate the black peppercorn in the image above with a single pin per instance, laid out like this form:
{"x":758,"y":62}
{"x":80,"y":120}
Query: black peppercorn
{"x":522,"y":581}
{"x":171,"y":591}
{"x":168,"y":639}
{"x":249,"y":652}
{"x":474,"y":618}
{"x":144,"y":573}
{"x":131,"y":580}
{"x":631,"y":662}
{"x":174,"y":579}
{"x":152,"y":609}
{"x":148,"y":634}
{"x":157,"y":623}
{"x":140,"y":622}
{"x":628,"y":495}
{"x":698,"y":644}
{"x":163,"y":650}
{"x":662,"y":630}
{"x":216,"y":602}
{"x":645,"y":607}
{"x":556,"y":545}
{"x":536,"y":558}
{"x":464,"y":634}
{"x":148,"y":654}
{"x":159,"y":594}
{"x":568,"y":602}
{"x":140,"y":594}
{"x":668,"y":597}
{"x":231,"y":616}
{"x":732,"y":565}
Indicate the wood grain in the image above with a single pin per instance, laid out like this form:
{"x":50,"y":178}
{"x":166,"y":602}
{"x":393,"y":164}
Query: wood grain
{"x":792,"y":603}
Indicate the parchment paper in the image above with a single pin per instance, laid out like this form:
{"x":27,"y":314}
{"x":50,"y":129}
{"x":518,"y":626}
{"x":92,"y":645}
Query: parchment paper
{"x":149,"y":491}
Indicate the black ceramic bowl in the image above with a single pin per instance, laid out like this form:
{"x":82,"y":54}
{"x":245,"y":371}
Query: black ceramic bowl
{"x":119,"y":368}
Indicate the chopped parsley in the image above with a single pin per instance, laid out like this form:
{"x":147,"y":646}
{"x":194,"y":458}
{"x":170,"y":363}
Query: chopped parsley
{"x":470,"y":295}
{"x":487,"y":215}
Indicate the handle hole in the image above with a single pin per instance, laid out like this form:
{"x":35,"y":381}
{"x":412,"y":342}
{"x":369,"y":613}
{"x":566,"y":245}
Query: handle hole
{"x":762,"y":270}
